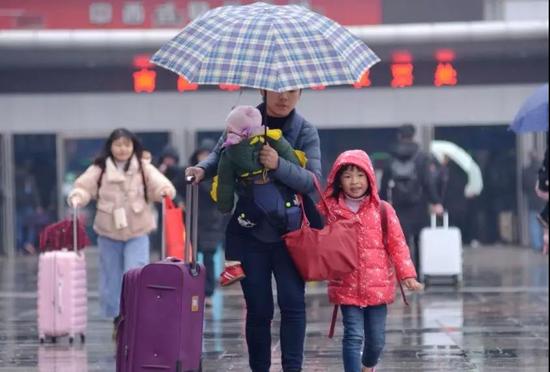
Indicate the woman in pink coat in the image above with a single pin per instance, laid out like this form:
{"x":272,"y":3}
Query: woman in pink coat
{"x":364,"y":294}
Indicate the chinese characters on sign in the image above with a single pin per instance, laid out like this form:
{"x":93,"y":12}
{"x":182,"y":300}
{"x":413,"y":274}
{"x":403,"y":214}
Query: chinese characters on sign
{"x":145,"y":81}
{"x":445,"y":73}
{"x":401,"y":71}
{"x":364,"y":81}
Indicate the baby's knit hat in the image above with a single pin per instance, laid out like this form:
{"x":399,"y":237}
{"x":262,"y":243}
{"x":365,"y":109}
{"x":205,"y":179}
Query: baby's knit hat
{"x":242,"y":122}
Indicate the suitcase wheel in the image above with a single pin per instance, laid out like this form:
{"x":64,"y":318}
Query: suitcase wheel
{"x":54,"y":340}
{"x":41,"y":340}
{"x":71,"y":340}
{"x":82,"y":338}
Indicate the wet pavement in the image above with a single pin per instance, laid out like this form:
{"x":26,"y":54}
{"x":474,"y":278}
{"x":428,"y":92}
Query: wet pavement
{"x":497,"y":321}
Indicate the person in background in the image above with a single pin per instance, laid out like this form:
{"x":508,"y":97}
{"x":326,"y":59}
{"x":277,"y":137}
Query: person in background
{"x":542,"y":191}
{"x":28,"y":203}
{"x":124,"y":185}
{"x":410,"y":184}
{"x":211,"y":222}
{"x":534,"y":203}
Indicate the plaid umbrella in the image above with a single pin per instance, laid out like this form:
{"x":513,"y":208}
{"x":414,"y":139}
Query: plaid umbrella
{"x":278,"y":48}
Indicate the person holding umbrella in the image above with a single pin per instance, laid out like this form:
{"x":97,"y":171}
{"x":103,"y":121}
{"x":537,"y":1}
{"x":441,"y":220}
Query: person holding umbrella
{"x":263,"y":252}
{"x":279,"y":50}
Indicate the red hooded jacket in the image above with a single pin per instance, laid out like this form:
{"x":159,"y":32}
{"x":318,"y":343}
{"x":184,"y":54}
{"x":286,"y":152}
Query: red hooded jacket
{"x":373,"y":282}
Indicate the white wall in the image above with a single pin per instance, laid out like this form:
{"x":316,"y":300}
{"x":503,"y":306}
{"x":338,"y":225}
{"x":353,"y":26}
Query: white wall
{"x":84,"y":113}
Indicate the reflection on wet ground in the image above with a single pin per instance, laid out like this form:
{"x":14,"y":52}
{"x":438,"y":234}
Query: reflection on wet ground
{"x":498,"y":321}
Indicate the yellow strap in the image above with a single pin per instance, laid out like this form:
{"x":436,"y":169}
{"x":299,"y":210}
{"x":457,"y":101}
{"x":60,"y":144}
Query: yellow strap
{"x":214,"y":189}
{"x":302,"y":158}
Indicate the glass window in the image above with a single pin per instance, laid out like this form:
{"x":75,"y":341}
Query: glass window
{"x":35,"y":188}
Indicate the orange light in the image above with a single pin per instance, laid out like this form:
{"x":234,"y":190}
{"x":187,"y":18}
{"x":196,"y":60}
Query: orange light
{"x":364,"y":81}
{"x":229,"y":87}
{"x":402,"y":75}
{"x":145,"y":81}
{"x":402,"y":56}
{"x":445,"y":55}
{"x":319,"y":87}
{"x":142,"y":61}
{"x":185,"y":86}
{"x":445,"y":74}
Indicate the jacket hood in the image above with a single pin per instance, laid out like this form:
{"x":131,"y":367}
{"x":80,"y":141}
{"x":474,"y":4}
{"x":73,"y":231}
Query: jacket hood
{"x":404,"y":150}
{"x":360,"y":159}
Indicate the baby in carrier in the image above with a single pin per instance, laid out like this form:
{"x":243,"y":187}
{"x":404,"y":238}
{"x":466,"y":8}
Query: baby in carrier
{"x":239,"y":169}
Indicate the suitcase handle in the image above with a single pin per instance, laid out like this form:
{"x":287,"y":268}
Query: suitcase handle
{"x":433,"y":220}
{"x":191,"y":220}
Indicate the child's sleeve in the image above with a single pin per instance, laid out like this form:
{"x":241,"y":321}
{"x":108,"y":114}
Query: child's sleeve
{"x":85,"y":186}
{"x":157,"y":183}
{"x":225,"y":191}
{"x":398,"y":248}
{"x":283,"y":148}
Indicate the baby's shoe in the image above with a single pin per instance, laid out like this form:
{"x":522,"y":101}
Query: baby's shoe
{"x":231,"y":274}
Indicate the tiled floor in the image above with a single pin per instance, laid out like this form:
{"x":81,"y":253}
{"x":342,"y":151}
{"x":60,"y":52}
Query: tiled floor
{"x":498,"y":321}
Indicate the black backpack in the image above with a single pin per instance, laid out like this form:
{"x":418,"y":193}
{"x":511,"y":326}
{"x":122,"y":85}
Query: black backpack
{"x":406,"y":184}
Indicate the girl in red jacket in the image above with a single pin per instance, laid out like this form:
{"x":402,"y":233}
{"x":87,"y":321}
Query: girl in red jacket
{"x":364,"y":294}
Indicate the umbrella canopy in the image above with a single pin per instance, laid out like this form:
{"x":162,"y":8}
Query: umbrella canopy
{"x":278,"y":48}
{"x":533,"y":114}
{"x":440,"y":149}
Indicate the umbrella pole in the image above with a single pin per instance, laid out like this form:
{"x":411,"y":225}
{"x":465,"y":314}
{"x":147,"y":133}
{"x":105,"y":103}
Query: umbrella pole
{"x":264,"y":118}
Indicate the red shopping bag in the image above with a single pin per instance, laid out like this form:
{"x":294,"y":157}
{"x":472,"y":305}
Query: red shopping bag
{"x":323,"y":254}
{"x":174,"y":230}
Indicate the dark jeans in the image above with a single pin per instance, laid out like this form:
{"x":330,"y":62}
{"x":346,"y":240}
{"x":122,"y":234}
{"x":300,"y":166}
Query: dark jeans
{"x":364,"y":330}
{"x":208,"y":260}
{"x":260,"y":261}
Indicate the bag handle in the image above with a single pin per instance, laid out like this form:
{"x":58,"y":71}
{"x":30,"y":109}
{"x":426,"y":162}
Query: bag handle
{"x":333,"y":321}
{"x":317,"y":184}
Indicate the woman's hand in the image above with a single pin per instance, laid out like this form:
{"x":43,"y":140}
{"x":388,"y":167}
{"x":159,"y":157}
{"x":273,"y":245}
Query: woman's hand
{"x":413,"y":285}
{"x":75,"y":201}
{"x":269,"y":158}
{"x":196,"y":172}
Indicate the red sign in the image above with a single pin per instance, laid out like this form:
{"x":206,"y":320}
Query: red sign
{"x":364,"y":81}
{"x":145,"y":81}
{"x":445,"y":74}
{"x":185,"y":86}
{"x":116,"y":14}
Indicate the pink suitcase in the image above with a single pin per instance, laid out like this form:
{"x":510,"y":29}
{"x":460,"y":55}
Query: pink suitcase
{"x":62,"y":294}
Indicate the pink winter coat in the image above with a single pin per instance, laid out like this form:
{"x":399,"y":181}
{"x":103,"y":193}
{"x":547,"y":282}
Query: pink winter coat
{"x":123,"y":190}
{"x":373,"y":282}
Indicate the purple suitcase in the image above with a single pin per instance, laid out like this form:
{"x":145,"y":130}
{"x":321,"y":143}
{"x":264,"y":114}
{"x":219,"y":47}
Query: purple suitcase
{"x":162,"y":311}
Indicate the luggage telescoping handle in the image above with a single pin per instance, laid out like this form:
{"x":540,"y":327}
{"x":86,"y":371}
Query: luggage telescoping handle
{"x":163,"y":231}
{"x":75,"y":228}
{"x":433,"y":219}
{"x":191,"y":220}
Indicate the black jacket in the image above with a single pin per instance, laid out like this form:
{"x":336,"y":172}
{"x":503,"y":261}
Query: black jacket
{"x":425,"y":165}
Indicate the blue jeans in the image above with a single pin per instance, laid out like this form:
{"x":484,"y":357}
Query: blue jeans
{"x":260,"y":261}
{"x":535,"y":231}
{"x":364,"y":330}
{"x":115,"y":258}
